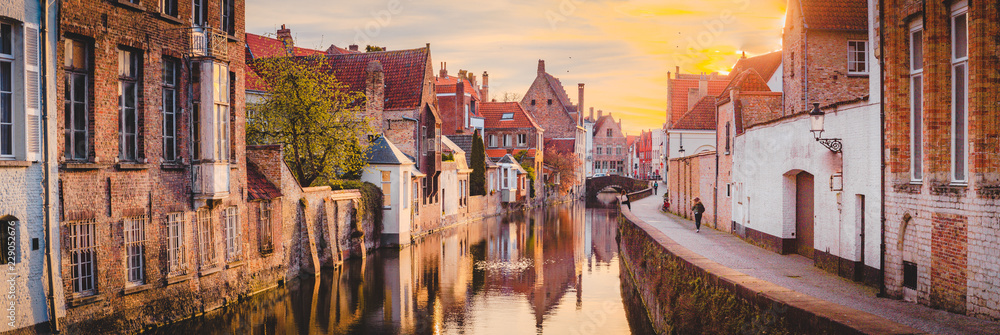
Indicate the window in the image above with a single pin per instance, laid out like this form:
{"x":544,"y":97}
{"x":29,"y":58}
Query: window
{"x":82,"y":253}
{"x":550,"y":102}
{"x":129,"y":70}
{"x":196,"y":111}
{"x":609,"y":132}
{"x":265,"y":236}
{"x":618,"y":150}
{"x":507,"y":116}
{"x":6,"y":92}
{"x":135,"y":249}
{"x":791,"y":70}
{"x":416,"y":197}
{"x":506,"y":178}
{"x":506,"y":140}
{"x":532,"y":102}
{"x":220,"y":90}
{"x":77,"y":66}
{"x":917,"y":102}
{"x":960,"y":91}
{"x":233,"y":233}
{"x":727,"y":138}
{"x":493,"y":141}
{"x":170,"y":66}
{"x":9,"y":240}
{"x":386,"y":188}
{"x":175,"y":242}
{"x":206,"y":244}
{"x":228,"y":18}
{"x":857,"y":57}
{"x":169,"y":7}
{"x":522,"y":140}
{"x":199,"y":12}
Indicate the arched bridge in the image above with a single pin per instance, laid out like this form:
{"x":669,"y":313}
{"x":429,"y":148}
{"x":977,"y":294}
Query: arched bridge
{"x":618,"y":183}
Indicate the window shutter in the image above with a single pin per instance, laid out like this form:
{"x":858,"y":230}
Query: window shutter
{"x":32,"y":92}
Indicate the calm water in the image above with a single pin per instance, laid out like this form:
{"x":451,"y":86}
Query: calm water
{"x":551,"y":271}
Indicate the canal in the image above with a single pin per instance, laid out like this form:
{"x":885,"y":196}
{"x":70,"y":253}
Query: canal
{"x":552,"y":270}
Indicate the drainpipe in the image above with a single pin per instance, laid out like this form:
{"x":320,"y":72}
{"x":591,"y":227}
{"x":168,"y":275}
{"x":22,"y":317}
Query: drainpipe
{"x":881,"y":45}
{"x":46,"y":165}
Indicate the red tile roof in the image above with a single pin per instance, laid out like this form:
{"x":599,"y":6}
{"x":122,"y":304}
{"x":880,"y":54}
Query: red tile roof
{"x":746,"y":81}
{"x":404,"y":71}
{"x":766,"y":65}
{"x":495,"y":153}
{"x":263,"y":47}
{"x":493,"y":113}
{"x":630,"y":139}
{"x":835,"y":15}
{"x":448,"y":85}
{"x":258,"y":187}
{"x":681,"y":86}
{"x":559,"y":145}
{"x":700,"y":117}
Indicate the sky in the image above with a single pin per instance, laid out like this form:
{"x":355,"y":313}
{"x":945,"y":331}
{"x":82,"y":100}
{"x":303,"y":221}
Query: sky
{"x":621,"y":49}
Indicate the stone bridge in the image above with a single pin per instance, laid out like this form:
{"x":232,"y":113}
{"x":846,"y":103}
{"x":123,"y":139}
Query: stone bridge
{"x":618,"y":183}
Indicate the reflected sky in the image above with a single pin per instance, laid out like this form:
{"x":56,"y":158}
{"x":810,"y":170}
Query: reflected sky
{"x":548,"y":271}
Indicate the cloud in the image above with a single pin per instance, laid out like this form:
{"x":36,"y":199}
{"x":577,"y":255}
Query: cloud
{"x":621,"y":49}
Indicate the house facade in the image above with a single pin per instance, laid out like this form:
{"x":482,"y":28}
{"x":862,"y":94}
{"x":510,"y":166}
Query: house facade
{"x":392,"y":171}
{"x":610,"y":145}
{"x":549,"y":104}
{"x":941,"y":204}
{"x":510,"y":130}
{"x":28,"y":170}
{"x":459,"y":98}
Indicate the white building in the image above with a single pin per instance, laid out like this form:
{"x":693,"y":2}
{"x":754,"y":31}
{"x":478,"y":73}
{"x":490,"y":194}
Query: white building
{"x":28,"y":168}
{"x":512,"y":176}
{"x":693,"y":133}
{"x":454,"y":178}
{"x":388,"y":167}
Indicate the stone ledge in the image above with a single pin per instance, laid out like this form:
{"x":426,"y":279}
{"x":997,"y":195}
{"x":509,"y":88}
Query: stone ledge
{"x":804,"y":312}
{"x":234,"y":264}
{"x":169,"y":18}
{"x":83,"y":166}
{"x":76,"y":301}
{"x":178,"y":278}
{"x":133,"y":166}
{"x":14,"y":164}
{"x":210,"y":271}
{"x":136,"y":289}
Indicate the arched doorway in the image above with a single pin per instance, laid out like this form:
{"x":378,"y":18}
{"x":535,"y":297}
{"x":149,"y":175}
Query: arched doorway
{"x":804,"y":214}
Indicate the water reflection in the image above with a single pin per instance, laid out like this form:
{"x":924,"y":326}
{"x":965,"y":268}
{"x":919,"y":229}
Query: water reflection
{"x":548,"y":271}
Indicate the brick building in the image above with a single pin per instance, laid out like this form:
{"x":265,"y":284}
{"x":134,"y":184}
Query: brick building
{"x":29,"y":228}
{"x":825,"y":53}
{"x":509,"y":130}
{"x":153,"y":169}
{"x":401,"y":103}
{"x":644,"y":150}
{"x":684,"y":92}
{"x":941,"y":179}
{"x":610,"y":145}
{"x":460,"y":116}
{"x":549,"y":104}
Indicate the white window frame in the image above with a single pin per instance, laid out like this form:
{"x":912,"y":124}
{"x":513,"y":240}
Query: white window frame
{"x":8,"y":139}
{"x":386,"y":189}
{"x":83,"y":256}
{"x":76,"y":108}
{"x":852,"y":53}
{"x":198,"y":11}
{"x":206,"y":239}
{"x":175,"y":6}
{"x":135,"y":249}
{"x":169,"y":93}
{"x":522,"y":140}
{"x":506,"y":140}
{"x":175,"y":243}
{"x":916,"y":118}
{"x":220,"y":87}
{"x":959,"y":175}
{"x":493,"y":141}
{"x":264,"y":225}
{"x":234,"y":235}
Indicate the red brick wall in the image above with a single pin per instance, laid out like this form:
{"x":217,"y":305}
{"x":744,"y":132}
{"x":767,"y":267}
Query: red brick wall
{"x":553,"y":118}
{"x":611,"y":144}
{"x":949,"y":251}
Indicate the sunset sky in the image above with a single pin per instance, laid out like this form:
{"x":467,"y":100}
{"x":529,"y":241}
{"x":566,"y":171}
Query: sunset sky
{"x":621,"y":50}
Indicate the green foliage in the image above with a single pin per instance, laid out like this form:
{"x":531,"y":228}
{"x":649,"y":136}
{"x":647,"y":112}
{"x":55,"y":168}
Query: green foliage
{"x":447,"y":157}
{"x":477,"y":181}
{"x":313,"y":115}
{"x":371,"y":198}
{"x":522,"y":156}
{"x":371,"y":48}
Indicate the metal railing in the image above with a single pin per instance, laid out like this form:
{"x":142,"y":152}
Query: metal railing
{"x":208,"y":42}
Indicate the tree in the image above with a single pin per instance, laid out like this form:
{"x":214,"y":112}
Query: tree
{"x":521,"y":156}
{"x":477,"y":181}
{"x":317,"y":119}
{"x":565,"y":165}
{"x":507,"y":97}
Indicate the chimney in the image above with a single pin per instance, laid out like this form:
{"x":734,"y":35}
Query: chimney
{"x":592,"y":113}
{"x":541,"y":66}
{"x":353,"y":47}
{"x":579,"y":104}
{"x":375,"y":95}
{"x":678,"y":72}
{"x":285,"y":36}
{"x":460,"y":104}
{"x":484,"y":93}
{"x":444,"y":70}
{"x":600,"y":114}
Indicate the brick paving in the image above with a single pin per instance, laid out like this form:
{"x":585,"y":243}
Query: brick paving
{"x":798,"y":273}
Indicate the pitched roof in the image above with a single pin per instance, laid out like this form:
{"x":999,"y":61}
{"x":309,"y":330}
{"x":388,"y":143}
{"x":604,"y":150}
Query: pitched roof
{"x":559,"y":145}
{"x":493,"y":113}
{"x":404,"y":70}
{"x":700,"y":117}
{"x":465,"y":143}
{"x":683,"y":83}
{"x":747,"y":81}
{"x":766,"y":64}
{"x":630,"y":139}
{"x":835,"y":15}
{"x":264,"y":47}
{"x":258,"y":187}
{"x":494,"y":153}
{"x":382,"y":151}
{"x":557,"y":86}
{"x":605,"y":119}
{"x":508,"y":159}
{"x":449,"y":84}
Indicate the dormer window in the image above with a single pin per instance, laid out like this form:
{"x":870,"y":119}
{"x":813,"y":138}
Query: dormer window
{"x":507,"y":116}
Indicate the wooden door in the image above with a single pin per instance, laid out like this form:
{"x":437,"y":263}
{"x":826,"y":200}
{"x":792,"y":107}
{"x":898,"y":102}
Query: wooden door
{"x":804,"y":214}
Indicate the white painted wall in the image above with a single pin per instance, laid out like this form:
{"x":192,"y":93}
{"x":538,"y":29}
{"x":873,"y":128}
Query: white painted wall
{"x":449,"y":186}
{"x":396,"y":217}
{"x":694,"y":142}
{"x":767,"y":157}
{"x":776,"y":82}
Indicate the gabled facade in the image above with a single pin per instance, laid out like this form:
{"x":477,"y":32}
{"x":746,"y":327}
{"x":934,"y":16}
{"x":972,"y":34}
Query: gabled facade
{"x":510,"y":130}
{"x":389,"y":168}
{"x":459,"y":98}
{"x":512,"y":179}
{"x":768,"y":66}
{"x":610,"y":147}
{"x":694,"y":132}
{"x":153,"y":166}
{"x":548,"y":103}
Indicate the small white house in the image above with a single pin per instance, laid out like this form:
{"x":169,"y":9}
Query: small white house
{"x":392,"y":170}
{"x":512,"y":179}
{"x":454,"y":178}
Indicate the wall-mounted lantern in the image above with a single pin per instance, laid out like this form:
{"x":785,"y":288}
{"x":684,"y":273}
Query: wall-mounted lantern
{"x":817,"y":117}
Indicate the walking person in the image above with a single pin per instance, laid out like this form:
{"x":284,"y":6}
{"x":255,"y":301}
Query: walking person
{"x":625,"y":201}
{"x":656,"y":184}
{"x":698,"y":210}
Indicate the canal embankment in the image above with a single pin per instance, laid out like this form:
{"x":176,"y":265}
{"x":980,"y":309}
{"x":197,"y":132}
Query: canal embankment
{"x":684,"y":292}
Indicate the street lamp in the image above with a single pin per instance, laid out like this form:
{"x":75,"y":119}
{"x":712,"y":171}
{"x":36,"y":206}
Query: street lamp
{"x":816,"y":118}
